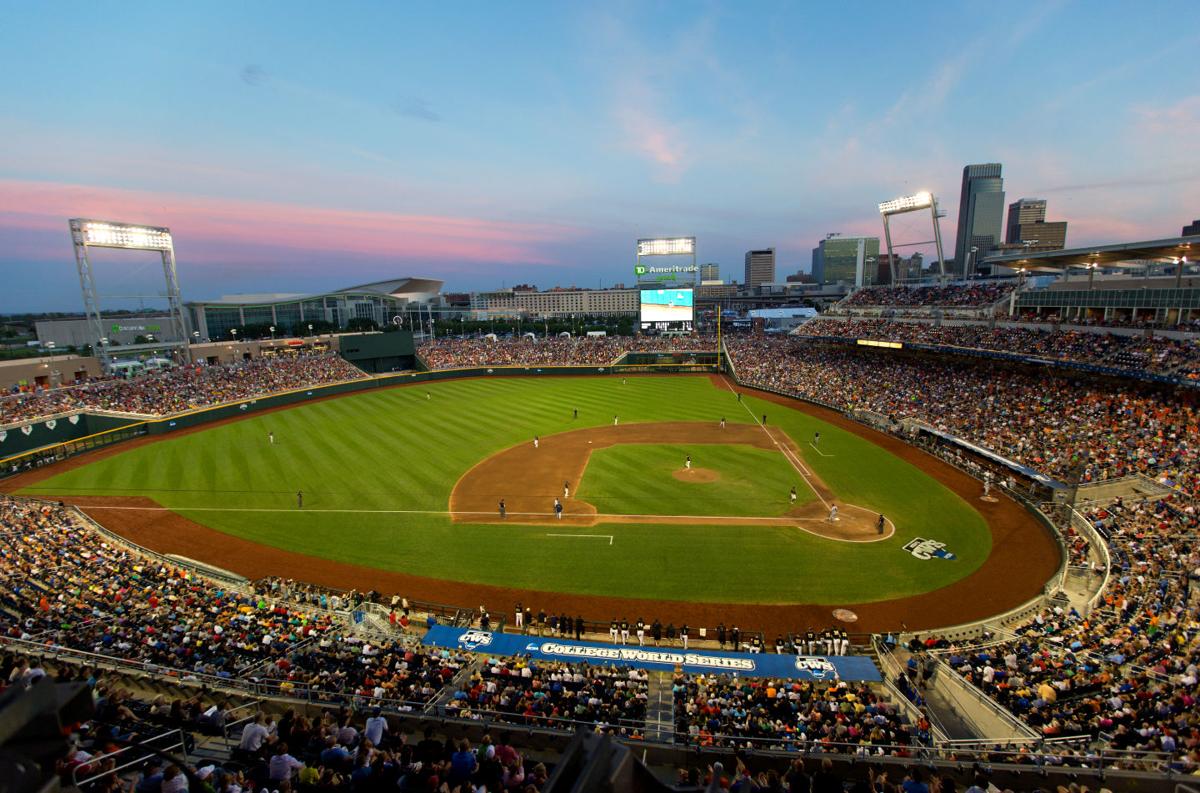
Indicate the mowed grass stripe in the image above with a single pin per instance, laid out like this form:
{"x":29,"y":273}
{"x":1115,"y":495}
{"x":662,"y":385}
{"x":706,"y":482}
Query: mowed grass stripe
{"x":394,"y":449}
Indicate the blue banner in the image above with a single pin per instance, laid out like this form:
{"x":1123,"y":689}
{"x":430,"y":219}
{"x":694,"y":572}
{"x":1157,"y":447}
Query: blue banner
{"x":792,"y":667}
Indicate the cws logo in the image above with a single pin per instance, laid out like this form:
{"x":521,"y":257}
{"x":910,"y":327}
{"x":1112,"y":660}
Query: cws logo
{"x":817,"y":667}
{"x":928,"y":549}
{"x":473,"y":639}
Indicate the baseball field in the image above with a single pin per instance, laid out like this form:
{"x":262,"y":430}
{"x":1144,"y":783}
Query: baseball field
{"x":408,"y":480}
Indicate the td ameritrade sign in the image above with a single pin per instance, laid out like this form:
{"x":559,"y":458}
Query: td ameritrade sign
{"x":797,"y":667}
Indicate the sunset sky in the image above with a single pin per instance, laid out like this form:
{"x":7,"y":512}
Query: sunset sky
{"x":304,"y":147}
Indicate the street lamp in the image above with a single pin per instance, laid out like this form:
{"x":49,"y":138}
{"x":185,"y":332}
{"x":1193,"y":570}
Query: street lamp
{"x":867,"y":277}
{"x":233,"y":332}
{"x":967,"y":264}
{"x":310,"y":329}
{"x":272,"y":333}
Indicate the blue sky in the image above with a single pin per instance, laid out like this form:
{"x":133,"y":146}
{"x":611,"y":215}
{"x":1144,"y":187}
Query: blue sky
{"x":302,"y":146}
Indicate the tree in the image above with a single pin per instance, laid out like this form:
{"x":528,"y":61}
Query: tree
{"x":362,"y":324}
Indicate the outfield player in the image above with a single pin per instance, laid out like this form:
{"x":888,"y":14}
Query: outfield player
{"x":271,"y":437}
{"x":816,"y":439}
{"x":641,"y":632}
{"x":615,"y":420}
{"x":722,"y":422}
{"x":688,"y":462}
{"x":299,"y":499}
{"x":428,"y":395}
{"x":624,"y":631}
{"x":612,"y":630}
{"x":792,"y":495}
{"x":576,"y":414}
{"x":536,"y":441}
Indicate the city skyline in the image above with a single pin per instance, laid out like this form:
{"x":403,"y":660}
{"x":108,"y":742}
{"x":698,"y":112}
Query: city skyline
{"x":326,"y":147}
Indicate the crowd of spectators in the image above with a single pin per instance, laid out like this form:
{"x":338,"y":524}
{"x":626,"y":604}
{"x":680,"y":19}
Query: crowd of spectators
{"x":1157,"y":354}
{"x":981,"y":293}
{"x":548,"y":693}
{"x":64,"y":585}
{"x":457,"y":353}
{"x":359,"y":751}
{"x":166,"y":391}
{"x":1059,"y":425}
{"x":1115,"y":321}
{"x":1127,"y":672}
{"x":834,"y":716}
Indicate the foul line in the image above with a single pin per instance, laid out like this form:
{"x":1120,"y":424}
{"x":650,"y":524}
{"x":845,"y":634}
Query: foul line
{"x":788,"y":454}
{"x":601,"y":536}
{"x":781,"y":519}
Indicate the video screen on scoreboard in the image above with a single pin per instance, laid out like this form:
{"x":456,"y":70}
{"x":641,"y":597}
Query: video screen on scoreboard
{"x":667,"y":309}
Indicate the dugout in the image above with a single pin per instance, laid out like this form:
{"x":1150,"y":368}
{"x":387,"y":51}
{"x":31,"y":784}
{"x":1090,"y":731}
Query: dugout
{"x":379,"y":353}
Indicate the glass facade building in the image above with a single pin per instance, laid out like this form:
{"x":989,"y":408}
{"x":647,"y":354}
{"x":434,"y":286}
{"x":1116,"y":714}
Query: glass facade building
{"x":292,"y":313}
{"x":846,"y":260}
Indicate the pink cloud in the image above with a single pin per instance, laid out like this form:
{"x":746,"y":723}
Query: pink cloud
{"x":197,"y":220}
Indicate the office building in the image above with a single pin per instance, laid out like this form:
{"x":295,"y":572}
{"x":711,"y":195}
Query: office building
{"x":1192,"y":230}
{"x":1027,"y":226}
{"x":760,"y":267}
{"x":710,"y":273}
{"x":556,"y":302}
{"x":846,"y":260}
{"x":980,"y":214}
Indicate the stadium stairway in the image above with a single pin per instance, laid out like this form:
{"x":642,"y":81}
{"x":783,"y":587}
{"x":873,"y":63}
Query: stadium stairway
{"x":660,"y":708}
{"x":437,"y":704}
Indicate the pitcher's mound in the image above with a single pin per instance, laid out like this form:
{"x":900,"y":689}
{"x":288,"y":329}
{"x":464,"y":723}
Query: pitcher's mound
{"x":696,"y":475}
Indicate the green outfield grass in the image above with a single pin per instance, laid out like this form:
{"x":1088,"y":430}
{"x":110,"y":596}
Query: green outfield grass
{"x":637,"y":479}
{"x":377,"y":469}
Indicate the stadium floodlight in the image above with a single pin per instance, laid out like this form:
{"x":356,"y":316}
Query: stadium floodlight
{"x":912,"y":203}
{"x":906,"y":203}
{"x":667,"y":246}
{"x":85,"y":234}
{"x":123,"y":235}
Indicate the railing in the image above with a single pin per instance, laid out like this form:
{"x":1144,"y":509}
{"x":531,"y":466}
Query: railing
{"x":964,"y":694}
{"x":994,"y":751}
{"x":131,"y":756}
{"x":892,"y":669}
{"x":1085,"y":528}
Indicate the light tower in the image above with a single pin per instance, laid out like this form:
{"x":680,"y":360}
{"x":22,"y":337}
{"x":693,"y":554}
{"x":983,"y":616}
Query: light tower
{"x":87,"y":234}
{"x":912,"y":203}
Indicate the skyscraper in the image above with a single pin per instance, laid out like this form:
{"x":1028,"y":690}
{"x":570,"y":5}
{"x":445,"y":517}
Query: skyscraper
{"x":980,"y":214}
{"x":846,"y":260}
{"x":1194,"y":228}
{"x":1027,"y":226}
{"x":1024,"y":210}
{"x":710,"y":272}
{"x":760,"y":267}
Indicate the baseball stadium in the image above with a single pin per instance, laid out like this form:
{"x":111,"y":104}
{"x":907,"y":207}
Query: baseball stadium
{"x":915,"y":519}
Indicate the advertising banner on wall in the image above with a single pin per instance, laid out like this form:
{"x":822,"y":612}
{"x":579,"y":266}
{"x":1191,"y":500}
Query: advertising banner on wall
{"x":795,"y":667}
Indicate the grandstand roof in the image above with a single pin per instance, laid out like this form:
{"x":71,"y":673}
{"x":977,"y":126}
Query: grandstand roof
{"x":1105,"y":255}
{"x":397,"y":287}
